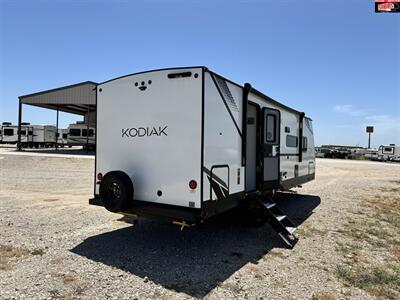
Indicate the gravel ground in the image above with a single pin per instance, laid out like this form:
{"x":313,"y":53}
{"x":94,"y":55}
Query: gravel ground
{"x":54,"y":245}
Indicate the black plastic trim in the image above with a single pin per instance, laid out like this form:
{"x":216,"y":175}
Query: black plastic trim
{"x":290,"y":183}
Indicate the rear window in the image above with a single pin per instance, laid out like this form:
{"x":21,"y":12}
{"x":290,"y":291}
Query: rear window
{"x":8,"y":131}
{"x":75,"y":132}
{"x":388,"y":150}
{"x":291,"y":141}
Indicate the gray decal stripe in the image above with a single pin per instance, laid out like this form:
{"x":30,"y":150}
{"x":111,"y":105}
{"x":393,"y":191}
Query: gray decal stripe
{"x":226,"y":105}
{"x":215,"y":177}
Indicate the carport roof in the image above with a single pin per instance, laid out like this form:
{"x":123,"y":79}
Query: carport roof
{"x":77,"y":98}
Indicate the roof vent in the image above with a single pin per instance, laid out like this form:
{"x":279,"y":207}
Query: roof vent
{"x":6,"y":123}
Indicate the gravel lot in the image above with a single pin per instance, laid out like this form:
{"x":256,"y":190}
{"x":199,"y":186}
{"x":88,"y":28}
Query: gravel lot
{"x":53,"y":245}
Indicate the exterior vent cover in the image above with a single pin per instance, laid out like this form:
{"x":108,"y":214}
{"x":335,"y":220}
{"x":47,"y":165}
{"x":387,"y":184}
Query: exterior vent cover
{"x":227,"y":93}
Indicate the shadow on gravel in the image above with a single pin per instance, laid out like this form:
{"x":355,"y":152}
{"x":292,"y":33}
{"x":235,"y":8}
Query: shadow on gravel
{"x":193,"y":261}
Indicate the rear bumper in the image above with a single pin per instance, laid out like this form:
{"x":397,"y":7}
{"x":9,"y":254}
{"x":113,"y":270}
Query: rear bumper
{"x":157,"y":211}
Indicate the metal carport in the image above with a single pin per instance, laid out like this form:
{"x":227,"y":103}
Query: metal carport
{"x":78,"y":99}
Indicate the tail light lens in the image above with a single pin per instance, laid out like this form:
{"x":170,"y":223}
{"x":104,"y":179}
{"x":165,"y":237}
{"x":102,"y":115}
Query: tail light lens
{"x":99,"y":177}
{"x":193,"y":184}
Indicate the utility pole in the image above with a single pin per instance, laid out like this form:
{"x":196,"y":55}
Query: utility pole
{"x":370,"y":129}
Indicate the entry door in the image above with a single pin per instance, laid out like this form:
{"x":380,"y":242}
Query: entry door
{"x":270,"y":143}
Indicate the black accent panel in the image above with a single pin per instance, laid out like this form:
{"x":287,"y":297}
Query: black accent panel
{"x":215,"y":177}
{"x":227,"y":93}
{"x":226,"y":105}
{"x":212,"y":208}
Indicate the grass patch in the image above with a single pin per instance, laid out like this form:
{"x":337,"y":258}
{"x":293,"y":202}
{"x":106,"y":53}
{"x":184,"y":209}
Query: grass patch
{"x":379,"y":281}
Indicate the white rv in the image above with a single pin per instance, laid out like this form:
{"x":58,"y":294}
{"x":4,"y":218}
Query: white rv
{"x":62,"y":137}
{"x":79,"y":135}
{"x":186,"y":144}
{"x":10,"y":133}
{"x":388,"y":152}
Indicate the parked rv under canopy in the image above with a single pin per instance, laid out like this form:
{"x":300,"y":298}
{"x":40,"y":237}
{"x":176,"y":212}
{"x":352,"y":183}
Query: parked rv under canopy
{"x":79,"y":99}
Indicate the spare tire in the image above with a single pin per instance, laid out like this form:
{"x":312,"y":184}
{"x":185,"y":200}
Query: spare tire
{"x":116,"y":191}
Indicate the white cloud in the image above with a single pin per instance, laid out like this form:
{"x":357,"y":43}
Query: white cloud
{"x":350,"y":110}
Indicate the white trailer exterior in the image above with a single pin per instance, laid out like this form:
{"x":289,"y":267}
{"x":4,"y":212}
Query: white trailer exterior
{"x":388,"y":152}
{"x":78,"y":135}
{"x":187,"y":144}
{"x":43,"y":136}
{"x":10,"y":133}
{"x":62,"y":137}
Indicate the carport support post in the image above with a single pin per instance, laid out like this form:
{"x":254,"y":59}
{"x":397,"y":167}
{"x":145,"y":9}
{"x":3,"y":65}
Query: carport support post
{"x":58,"y":110}
{"x":19,"y":124}
{"x":87,"y":129}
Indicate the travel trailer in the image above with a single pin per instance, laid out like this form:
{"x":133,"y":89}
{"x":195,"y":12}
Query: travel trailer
{"x":62,"y":137}
{"x":388,"y":152}
{"x":43,"y":136}
{"x":10,"y":133}
{"x":186,"y":144}
{"x":79,"y":135}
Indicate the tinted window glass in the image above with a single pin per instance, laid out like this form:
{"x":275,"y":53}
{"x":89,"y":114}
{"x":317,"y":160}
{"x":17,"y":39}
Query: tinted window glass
{"x":64,"y":135}
{"x":304,"y":146}
{"x":23,"y":132}
{"x":30,"y":132}
{"x":271,"y":133}
{"x":90,"y":132}
{"x":75,"y":132}
{"x":291,"y":141}
{"x":8,"y":131}
{"x":388,"y":149}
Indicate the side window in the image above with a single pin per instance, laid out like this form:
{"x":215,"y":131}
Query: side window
{"x":90,"y":132}
{"x":271,"y":128}
{"x":8,"y":131}
{"x":30,"y":132}
{"x":388,"y":150}
{"x":75,"y":132}
{"x":84,"y":132}
{"x":304,"y":146}
{"x":64,"y":135}
{"x":291,"y":141}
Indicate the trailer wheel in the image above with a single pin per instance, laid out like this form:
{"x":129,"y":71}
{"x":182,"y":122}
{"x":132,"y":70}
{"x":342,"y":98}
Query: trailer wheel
{"x":116,"y":190}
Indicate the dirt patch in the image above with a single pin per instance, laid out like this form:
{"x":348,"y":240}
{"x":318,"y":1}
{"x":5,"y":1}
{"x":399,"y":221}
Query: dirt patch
{"x":371,"y":257}
{"x":8,"y":254}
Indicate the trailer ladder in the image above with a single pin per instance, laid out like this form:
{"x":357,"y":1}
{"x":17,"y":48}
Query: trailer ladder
{"x":279,"y":221}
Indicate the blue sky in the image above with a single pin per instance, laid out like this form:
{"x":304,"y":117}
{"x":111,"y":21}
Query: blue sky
{"x":336,"y":60}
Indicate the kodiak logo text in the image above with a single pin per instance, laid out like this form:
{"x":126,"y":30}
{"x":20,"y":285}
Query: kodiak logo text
{"x":144,"y":131}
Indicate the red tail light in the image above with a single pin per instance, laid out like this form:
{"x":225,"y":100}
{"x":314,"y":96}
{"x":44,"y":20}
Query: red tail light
{"x":193,"y":184}
{"x":99,"y":177}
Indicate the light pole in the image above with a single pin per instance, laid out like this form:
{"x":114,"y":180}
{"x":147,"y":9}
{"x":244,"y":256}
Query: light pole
{"x":370,"y":129}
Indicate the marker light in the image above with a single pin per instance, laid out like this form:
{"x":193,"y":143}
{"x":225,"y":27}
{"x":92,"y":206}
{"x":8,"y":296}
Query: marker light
{"x":99,"y":176}
{"x":193,"y":184}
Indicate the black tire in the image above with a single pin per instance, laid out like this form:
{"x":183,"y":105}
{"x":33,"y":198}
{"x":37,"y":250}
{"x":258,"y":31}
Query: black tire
{"x":116,"y":191}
